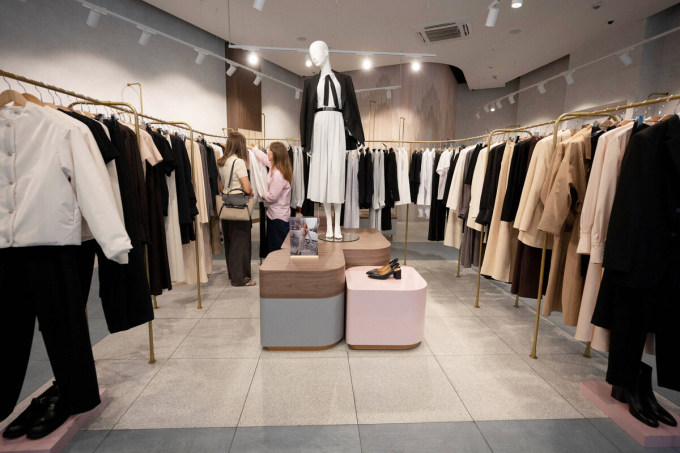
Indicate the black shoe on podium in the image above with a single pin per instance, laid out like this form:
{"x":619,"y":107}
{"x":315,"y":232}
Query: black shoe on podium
{"x":20,"y":426}
{"x":646,"y":392}
{"x":52,"y":418}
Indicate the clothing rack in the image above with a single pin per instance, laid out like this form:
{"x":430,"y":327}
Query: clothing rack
{"x":566,"y":117}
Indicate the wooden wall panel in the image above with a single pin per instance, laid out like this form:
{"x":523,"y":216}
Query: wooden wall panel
{"x":244,"y":99}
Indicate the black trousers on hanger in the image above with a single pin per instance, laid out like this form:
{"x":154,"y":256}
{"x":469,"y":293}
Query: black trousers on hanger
{"x":44,"y":282}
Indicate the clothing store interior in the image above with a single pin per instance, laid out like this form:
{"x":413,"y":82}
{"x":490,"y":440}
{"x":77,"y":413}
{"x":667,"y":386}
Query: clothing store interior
{"x":340,"y":226}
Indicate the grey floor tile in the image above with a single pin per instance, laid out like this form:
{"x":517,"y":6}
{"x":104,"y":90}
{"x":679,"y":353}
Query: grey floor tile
{"x":294,"y":439}
{"x":622,"y":440}
{"x":194,"y":440}
{"x":85,"y":442}
{"x":542,"y":436}
{"x":425,"y":437}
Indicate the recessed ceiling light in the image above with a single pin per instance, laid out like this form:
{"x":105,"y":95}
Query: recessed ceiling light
{"x":415,"y":65}
{"x":516,"y":3}
{"x":259,"y":4}
{"x":366,"y":64}
{"x":308,"y":62}
{"x":253,"y":58}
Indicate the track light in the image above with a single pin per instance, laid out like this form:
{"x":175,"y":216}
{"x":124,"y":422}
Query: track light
{"x":297,"y":94}
{"x":253,"y":58}
{"x":569,"y":78}
{"x":257,"y":80}
{"x":511,"y":99}
{"x":259,"y":4}
{"x":486,"y":108}
{"x":366,"y":64}
{"x":625,"y":59}
{"x":541,"y":88}
{"x":477,"y":115}
{"x":493,"y":14}
{"x":415,"y":65}
{"x":308,"y":62}
{"x":200,"y":57}
{"x":93,"y":18}
{"x":499,"y":105}
{"x":516,"y":3}
{"x":231,"y":70}
{"x":146,"y":36}
{"x":389,"y":94}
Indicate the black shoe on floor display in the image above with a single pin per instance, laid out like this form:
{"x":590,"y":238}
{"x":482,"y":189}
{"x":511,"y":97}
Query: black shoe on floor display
{"x":646,"y":393}
{"x":396,"y":271}
{"x":637,"y":406}
{"x":52,"y":418}
{"x":385,"y":268}
{"x":20,"y":426}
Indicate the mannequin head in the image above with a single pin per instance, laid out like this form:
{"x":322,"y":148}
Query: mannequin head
{"x":318,"y":52}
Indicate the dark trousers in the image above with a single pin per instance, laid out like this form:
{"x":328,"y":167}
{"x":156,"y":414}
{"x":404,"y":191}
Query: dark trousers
{"x":238,"y":248}
{"x":44,"y":282}
{"x":277,"y":230}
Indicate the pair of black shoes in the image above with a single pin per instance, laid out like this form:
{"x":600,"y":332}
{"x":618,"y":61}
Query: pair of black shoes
{"x":45,"y":414}
{"x":642,"y":403}
{"x":383,"y":273}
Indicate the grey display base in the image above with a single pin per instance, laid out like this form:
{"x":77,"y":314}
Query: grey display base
{"x":302,"y":323}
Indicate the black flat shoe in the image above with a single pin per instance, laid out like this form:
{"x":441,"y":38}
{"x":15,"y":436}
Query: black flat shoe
{"x":20,"y":426}
{"x":646,"y":393}
{"x":52,"y":418}
{"x":396,"y":271}
{"x":385,"y":268}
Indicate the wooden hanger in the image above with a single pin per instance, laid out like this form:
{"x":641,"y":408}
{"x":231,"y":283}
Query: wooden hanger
{"x":8,"y":96}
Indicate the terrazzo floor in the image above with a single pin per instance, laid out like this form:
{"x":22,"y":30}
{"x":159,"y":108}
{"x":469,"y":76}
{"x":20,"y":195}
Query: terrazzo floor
{"x":470,"y":386}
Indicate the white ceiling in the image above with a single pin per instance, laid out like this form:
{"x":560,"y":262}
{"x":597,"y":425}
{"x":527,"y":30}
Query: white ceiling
{"x":550,"y":29}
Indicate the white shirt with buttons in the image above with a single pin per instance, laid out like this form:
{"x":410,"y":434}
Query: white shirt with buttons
{"x":53,"y":176}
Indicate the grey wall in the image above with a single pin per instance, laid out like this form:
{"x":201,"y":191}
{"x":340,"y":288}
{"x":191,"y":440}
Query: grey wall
{"x":279,"y":105}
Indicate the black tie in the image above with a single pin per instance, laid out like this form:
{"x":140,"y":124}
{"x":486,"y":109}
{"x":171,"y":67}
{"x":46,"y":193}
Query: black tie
{"x":329,"y":83}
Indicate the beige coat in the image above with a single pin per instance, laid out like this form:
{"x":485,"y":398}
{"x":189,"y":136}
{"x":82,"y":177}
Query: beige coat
{"x":502,"y":244}
{"x":561,"y":218}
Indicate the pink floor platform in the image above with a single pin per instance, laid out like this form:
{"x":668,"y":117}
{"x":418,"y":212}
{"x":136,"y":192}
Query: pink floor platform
{"x":599,"y":393}
{"x":57,"y":441}
{"x":385,"y":314}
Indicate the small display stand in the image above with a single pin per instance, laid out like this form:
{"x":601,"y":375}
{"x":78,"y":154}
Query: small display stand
{"x":304,"y":237}
{"x":599,"y":393}
{"x":57,"y":441}
{"x":385,"y":314}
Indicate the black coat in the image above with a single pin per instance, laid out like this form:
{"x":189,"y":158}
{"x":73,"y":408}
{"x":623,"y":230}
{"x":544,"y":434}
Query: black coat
{"x":350,"y":109}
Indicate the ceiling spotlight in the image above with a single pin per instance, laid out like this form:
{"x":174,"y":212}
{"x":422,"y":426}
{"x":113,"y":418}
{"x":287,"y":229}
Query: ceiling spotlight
{"x":415,"y":65}
{"x":511,"y":99}
{"x":231,"y":70}
{"x":625,"y":59}
{"x":493,"y":109}
{"x":569,"y":78}
{"x":516,"y":3}
{"x":93,"y":18}
{"x":486,"y":108}
{"x":259,"y":4}
{"x":477,"y":115}
{"x":366,"y":64}
{"x":389,"y":94}
{"x":200,"y":57}
{"x":499,"y":105}
{"x":297,"y":94}
{"x":257,"y":80}
{"x":308,"y":62}
{"x":146,"y":36}
{"x":253,"y":58}
{"x":541,"y":88}
{"x":493,"y":14}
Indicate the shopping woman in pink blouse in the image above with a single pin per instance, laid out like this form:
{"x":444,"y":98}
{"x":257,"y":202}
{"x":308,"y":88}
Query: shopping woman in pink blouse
{"x":277,"y":196}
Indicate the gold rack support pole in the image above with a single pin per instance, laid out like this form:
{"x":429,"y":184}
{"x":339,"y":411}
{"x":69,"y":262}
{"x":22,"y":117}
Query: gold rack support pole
{"x":264,"y":130}
{"x":586,"y":354}
{"x":540,"y":296}
{"x":141,"y":102}
{"x":193,"y":182}
{"x":406,"y":237}
{"x":517,"y":300}
{"x":370,"y":118}
{"x":118,"y":106}
{"x":458,"y":272}
{"x":402,"y":129}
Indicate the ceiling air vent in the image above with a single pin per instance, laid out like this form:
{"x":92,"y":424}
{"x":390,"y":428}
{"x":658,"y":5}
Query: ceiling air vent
{"x":443,"y":31}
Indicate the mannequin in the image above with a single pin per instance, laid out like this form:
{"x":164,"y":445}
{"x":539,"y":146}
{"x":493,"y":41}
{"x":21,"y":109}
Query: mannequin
{"x":329,"y":110}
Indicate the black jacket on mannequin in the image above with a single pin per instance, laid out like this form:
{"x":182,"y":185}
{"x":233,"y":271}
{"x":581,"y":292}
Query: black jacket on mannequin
{"x":350,"y":109}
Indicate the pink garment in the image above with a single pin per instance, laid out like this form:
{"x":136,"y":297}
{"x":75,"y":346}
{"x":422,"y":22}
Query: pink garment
{"x":277,"y":196}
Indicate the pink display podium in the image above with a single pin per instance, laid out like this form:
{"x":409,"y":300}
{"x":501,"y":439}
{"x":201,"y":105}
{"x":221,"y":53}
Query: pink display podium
{"x":599,"y":393}
{"x":56,"y":441}
{"x":385,"y":314}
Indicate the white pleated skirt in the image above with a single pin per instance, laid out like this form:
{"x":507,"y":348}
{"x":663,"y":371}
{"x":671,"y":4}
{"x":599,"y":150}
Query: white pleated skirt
{"x":327,"y":167}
